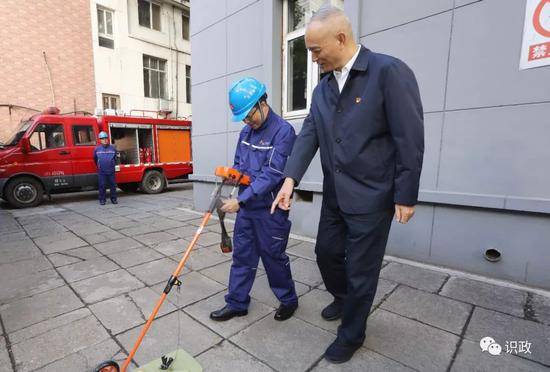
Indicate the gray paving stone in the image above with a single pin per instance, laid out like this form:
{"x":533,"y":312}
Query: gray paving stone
{"x":34,"y":309}
{"x":135,"y":257}
{"x":102,"y":237}
{"x":154,"y":238}
{"x":227,"y":357}
{"x":17,"y":250}
{"x":302,"y":249}
{"x":471,"y":358}
{"x":60,"y":259}
{"x":306,"y":271}
{"x":125,"y":211}
{"x":5,"y":363}
{"x":49,"y":324}
{"x":541,"y":307}
{"x":89,"y":228}
{"x":363,"y":360}
{"x":263,"y":293}
{"x":163,"y":337}
{"x":428,"y":308}
{"x":209,"y":238}
{"x":409,"y":342}
{"x":412,"y":276}
{"x":35,"y":282}
{"x":87,"y":269}
{"x":44,"y":229}
{"x":146,"y":298}
{"x":205,"y":257}
{"x":58,"y":343}
{"x":140,"y":229}
{"x":171,"y":247}
{"x":21,"y":268}
{"x":186,"y":231}
{"x":116,"y":246}
{"x":60,"y":242}
{"x":195,"y":287}
{"x":285,"y":346}
{"x":84,"y":253}
{"x":155,"y":272}
{"x":15,"y":235}
{"x":490,"y":323}
{"x":202,"y":309}
{"x":140,"y":216}
{"x":117,"y":223}
{"x":87,"y":359}
{"x":118,"y":314}
{"x":506,"y":300}
{"x":310,"y":306}
{"x":106,"y":285}
{"x":384,"y":287}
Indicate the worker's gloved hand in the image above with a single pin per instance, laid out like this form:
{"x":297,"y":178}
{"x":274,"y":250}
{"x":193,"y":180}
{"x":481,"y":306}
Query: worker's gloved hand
{"x":230,"y":206}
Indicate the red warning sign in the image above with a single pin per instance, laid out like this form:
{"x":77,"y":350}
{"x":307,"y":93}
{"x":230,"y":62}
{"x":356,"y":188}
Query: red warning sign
{"x":535,"y":51}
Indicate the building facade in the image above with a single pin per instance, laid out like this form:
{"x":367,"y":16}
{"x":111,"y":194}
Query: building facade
{"x":484,"y":182}
{"x":46,"y":59}
{"x":86,"y":54}
{"x":142,"y":55}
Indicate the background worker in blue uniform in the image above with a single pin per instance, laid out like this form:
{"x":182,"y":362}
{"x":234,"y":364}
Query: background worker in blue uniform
{"x":263,"y":148}
{"x":104,"y":158}
{"x":366,"y":119}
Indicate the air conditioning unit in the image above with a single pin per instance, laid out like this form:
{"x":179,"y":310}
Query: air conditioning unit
{"x":120,"y":112}
{"x":110,"y":112}
{"x":165,"y":105}
{"x":98,"y":111}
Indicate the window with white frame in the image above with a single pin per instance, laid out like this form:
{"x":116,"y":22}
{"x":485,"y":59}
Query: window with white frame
{"x":105,"y":27}
{"x":154,"y":77}
{"x":185,"y":24}
{"x":111,"y":101}
{"x":149,"y":14}
{"x":300,"y":74}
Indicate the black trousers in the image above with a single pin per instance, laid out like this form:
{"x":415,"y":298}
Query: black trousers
{"x":350,"y":249}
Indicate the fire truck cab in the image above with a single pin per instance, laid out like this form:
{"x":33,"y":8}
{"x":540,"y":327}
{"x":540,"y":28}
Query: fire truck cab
{"x":52,"y":153}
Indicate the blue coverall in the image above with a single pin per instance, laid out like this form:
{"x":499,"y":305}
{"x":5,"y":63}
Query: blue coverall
{"x":104,"y":158}
{"x":261,"y":154}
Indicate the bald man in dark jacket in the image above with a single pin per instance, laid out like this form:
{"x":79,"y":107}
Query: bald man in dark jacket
{"x":366,"y":119}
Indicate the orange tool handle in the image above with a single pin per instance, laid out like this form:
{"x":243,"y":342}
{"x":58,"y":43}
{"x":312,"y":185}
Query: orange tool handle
{"x":232,"y":175}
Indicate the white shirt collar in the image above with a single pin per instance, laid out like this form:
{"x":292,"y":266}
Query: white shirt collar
{"x":342,"y":76}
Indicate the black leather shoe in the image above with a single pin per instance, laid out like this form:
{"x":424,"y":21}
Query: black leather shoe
{"x":332,"y":311}
{"x":226,"y":313}
{"x":114,"y":201}
{"x":285,"y":312}
{"x":102,"y":202}
{"x":340,"y":352}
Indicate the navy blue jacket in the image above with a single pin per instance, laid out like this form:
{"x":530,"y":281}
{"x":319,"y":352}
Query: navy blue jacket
{"x":104,"y":158}
{"x":262,"y":155}
{"x":371,"y":136}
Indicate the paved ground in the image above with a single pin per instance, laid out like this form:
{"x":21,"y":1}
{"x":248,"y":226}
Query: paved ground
{"x":78,"y":280}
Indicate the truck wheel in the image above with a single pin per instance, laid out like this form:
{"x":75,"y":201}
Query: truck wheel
{"x":24,"y":192}
{"x":129,"y":187}
{"x":153,"y":182}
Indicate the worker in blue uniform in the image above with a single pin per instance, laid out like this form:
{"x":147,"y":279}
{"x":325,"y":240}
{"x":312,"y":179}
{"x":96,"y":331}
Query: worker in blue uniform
{"x":104,"y":158}
{"x":262,"y":150}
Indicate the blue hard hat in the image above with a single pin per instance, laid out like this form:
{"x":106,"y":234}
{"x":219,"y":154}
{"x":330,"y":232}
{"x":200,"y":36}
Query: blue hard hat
{"x":243,"y":95}
{"x":103,"y":135}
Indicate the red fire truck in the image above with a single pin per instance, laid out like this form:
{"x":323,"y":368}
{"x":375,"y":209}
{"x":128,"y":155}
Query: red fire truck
{"x":52,"y":153}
